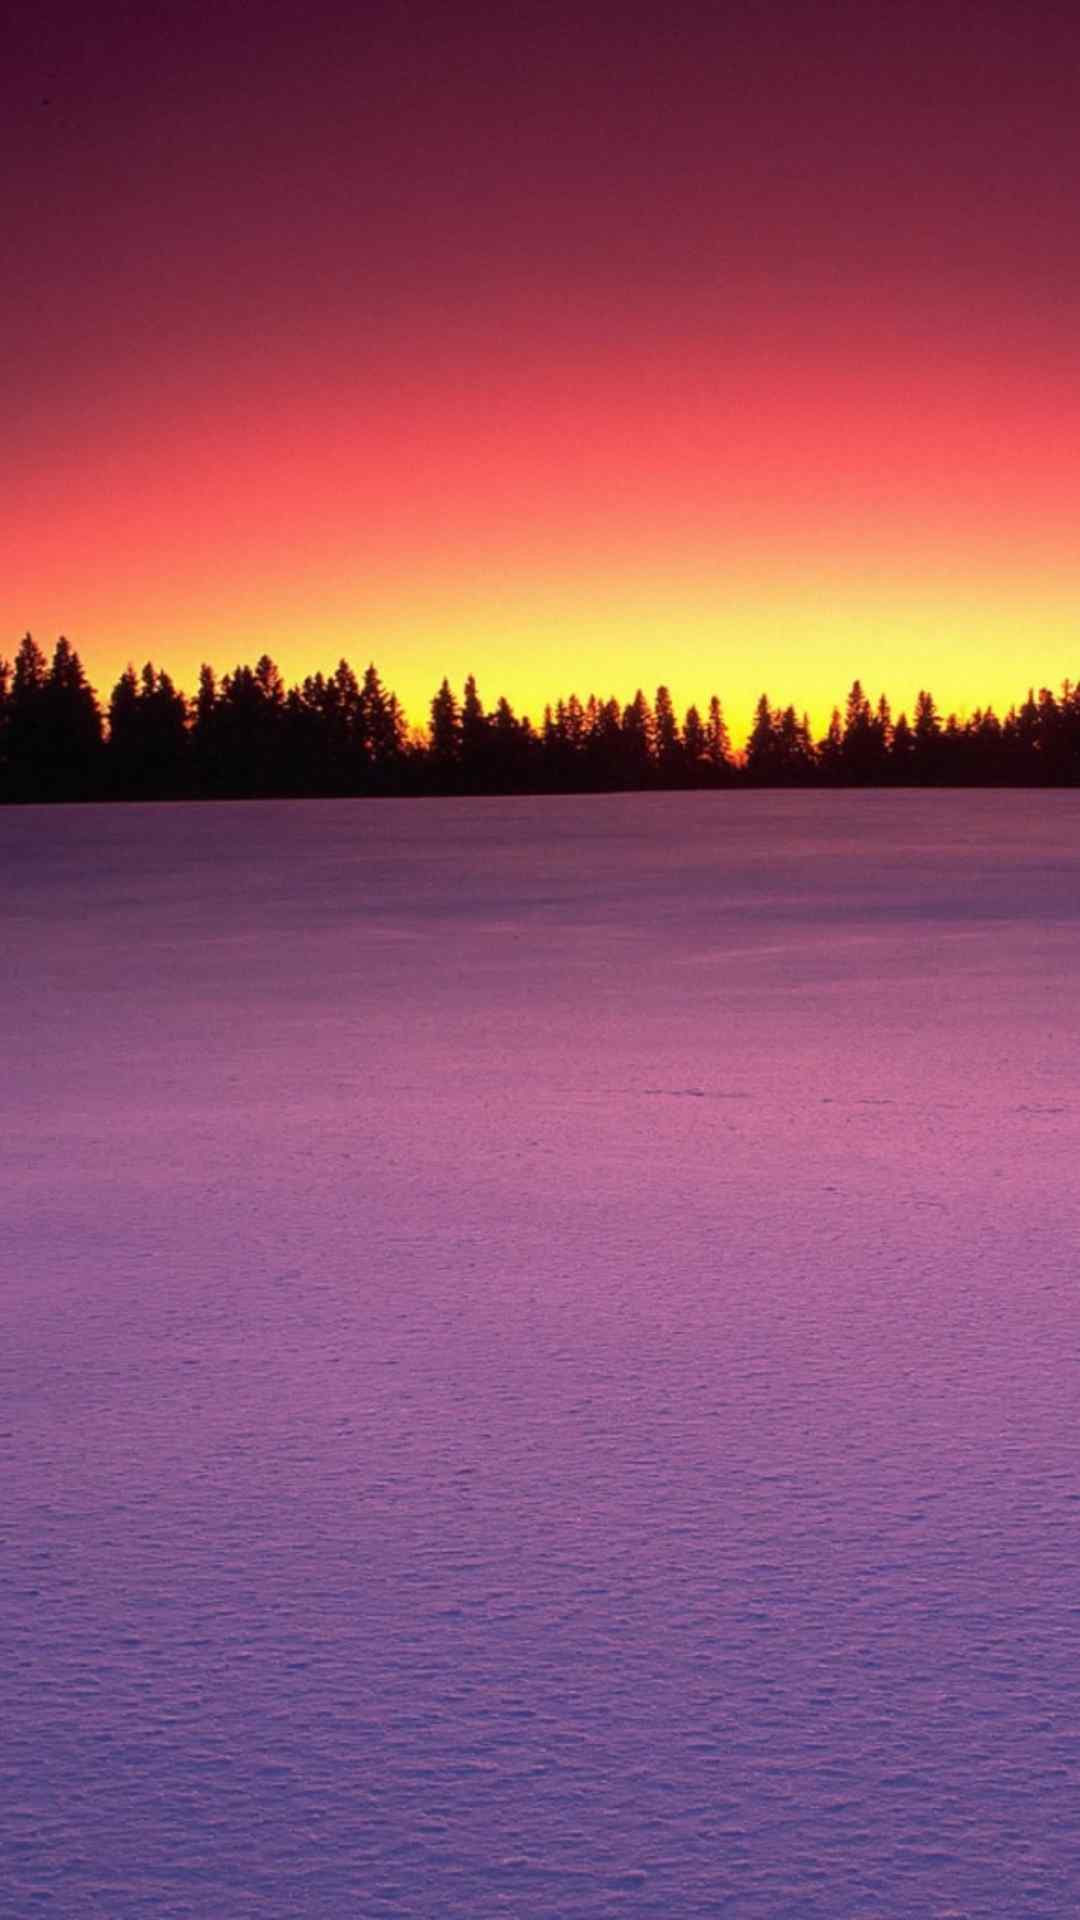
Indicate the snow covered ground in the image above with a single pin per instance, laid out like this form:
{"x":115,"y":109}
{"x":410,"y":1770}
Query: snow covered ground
{"x":539,"y":1361}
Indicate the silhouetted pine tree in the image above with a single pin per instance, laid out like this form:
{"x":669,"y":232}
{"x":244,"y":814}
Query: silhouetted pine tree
{"x":26,"y":727}
{"x":902,"y":751}
{"x":511,"y":751}
{"x":475,"y":741}
{"x":209,"y":742}
{"x":574,"y":725}
{"x":718,"y":744}
{"x":668,"y":757}
{"x":381,"y":731}
{"x":1069,"y":711}
{"x":883,"y":728}
{"x":5,"y":721}
{"x":694,"y":748}
{"x":148,"y":745}
{"x":863,"y":750}
{"x":637,"y":742}
{"x":248,"y":729}
{"x":830,"y":751}
{"x":987,"y":757}
{"x":608,"y":745}
{"x":762,"y":755}
{"x":53,"y":727}
{"x":926,"y":757}
{"x":444,"y":752}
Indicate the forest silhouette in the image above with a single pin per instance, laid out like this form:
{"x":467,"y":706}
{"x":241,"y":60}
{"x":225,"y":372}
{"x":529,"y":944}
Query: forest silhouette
{"x":247,"y":736}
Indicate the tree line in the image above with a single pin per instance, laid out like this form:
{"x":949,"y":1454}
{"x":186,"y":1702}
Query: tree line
{"x":246,"y":735}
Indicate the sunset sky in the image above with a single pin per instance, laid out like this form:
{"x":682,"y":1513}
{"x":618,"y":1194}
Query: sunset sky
{"x":575,"y":347}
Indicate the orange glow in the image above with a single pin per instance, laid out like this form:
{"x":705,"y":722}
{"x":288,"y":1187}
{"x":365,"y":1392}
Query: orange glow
{"x":572,"y":347}
{"x":770,"y":514}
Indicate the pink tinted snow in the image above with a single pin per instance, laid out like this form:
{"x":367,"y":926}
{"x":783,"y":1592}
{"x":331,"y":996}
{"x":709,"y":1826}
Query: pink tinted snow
{"x":539,"y":1371}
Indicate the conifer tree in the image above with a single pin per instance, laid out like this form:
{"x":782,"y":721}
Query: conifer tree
{"x":717,"y":742}
{"x":694,"y":746}
{"x":474,"y":739}
{"x":667,"y":744}
{"x":445,"y":737}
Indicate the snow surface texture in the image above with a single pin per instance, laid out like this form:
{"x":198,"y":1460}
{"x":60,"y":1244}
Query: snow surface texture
{"x":539,"y":1359}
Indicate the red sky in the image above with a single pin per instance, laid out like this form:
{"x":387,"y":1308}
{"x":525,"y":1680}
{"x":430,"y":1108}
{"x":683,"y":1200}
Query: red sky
{"x":575,"y":348}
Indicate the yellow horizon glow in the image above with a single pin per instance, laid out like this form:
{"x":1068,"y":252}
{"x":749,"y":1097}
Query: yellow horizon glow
{"x":802,"y":638}
{"x":726,"y":514}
